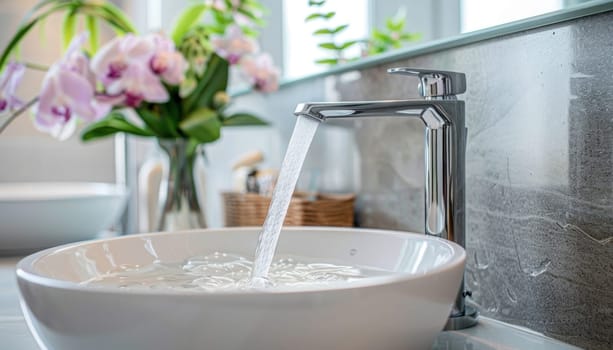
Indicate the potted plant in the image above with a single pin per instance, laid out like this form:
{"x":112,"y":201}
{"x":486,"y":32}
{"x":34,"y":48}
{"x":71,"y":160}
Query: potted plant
{"x":175,"y":85}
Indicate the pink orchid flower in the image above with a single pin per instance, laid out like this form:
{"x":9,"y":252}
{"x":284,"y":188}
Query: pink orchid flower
{"x":234,"y":45}
{"x":141,"y":85}
{"x":242,"y":20}
{"x":10,"y":79}
{"x":167,"y":62}
{"x":122,"y":65}
{"x":262,"y":72}
{"x":67,"y":94}
{"x":219,"y":5}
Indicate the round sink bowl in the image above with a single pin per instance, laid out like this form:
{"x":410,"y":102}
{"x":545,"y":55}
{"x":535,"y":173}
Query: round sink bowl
{"x":405,"y":308}
{"x":40,"y":215}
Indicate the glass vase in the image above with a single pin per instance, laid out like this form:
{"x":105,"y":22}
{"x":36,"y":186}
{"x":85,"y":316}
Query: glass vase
{"x":178,"y":202}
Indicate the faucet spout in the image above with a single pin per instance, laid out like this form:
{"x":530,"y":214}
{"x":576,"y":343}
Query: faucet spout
{"x":324,"y":110}
{"x":445,"y":143}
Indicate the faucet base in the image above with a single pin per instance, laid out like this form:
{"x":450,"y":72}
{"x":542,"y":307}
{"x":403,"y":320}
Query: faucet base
{"x":469,"y":319}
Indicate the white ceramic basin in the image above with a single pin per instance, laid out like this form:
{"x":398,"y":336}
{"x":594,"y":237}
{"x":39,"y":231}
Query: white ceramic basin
{"x":42,"y":215}
{"x":403,"y":310}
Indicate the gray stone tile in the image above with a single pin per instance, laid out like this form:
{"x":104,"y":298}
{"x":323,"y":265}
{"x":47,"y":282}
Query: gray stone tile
{"x":539,"y":174}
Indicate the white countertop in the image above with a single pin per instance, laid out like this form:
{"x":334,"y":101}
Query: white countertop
{"x":14,"y":333}
{"x":487,"y":335}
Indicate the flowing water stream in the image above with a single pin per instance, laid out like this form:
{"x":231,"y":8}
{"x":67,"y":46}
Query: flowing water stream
{"x":298,"y":147}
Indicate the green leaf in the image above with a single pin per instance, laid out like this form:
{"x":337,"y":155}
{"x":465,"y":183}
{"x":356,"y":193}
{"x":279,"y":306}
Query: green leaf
{"x":348,"y":44}
{"x":109,"y":14}
{"x":389,"y":24}
{"x":215,"y":79}
{"x":192,"y":148}
{"x":250,"y":32}
{"x":216,"y":29}
{"x":260,"y":22}
{"x":162,"y":125}
{"x":410,"y":36}
{"x":248,"y":14}
{"x":316,"y":3}
{"x":329,"y":46}
{"x":186,"y":20}
{"x":117,"y":15}
{"x":397,"y":25}
{"x":94,"y":33}
{"x":388,"y":40}
{"x":378,"y":35}
{"x":69,"y":27}
{"x":203,"y":125}
{"x":243,"y":119}
{"x":331,"y":61}
{"x":376,"y":49}
{"x":313,"y":16}
{"x":120,"y":27}
{"x":255,"y":5}
{"x":35,"y":9}
{"x":331,"y":31}
{"x":172,"y":108}
{"x":322,"y":31}
{"x":339,"y":29}
{"x":102,"y":10}
{"x":25,"y":28}
{"x":113,"y":123}
{"x":219,"y":17}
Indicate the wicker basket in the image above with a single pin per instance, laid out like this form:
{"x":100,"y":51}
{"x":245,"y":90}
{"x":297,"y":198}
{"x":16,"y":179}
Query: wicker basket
{"x":249,"y":209}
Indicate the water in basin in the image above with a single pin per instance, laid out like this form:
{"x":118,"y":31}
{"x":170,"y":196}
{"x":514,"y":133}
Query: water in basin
{"x":222,"y":271}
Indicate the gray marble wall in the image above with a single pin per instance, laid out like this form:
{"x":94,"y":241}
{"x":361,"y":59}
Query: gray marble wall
{"x":539,"y":173}
{"x":539,"y":110}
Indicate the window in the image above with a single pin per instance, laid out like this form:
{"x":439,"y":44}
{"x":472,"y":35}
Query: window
{"x":301,"y":46}
{"x":479,"y":14}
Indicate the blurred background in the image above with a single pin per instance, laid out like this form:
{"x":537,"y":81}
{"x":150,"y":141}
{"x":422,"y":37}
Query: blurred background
{"x":28,"y":155}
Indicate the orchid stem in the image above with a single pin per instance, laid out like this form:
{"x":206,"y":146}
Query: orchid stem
{"x":12,"y":117}
{"x":36,"y":66}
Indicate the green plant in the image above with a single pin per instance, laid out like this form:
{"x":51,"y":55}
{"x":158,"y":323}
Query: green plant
{"x":176,"y":86}
{"x":337,"y":49}
{"x":392,"y":36}
{"x":92,"y":11}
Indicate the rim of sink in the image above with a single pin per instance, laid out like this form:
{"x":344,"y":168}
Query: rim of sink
{"x":26,"y":267}
{"x":56,"y":191}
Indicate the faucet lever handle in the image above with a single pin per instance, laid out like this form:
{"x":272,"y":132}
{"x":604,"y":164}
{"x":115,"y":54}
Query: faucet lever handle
{"x":435,"y":83}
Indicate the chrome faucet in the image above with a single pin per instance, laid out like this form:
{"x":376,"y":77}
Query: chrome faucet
{"x":445,"y":143}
